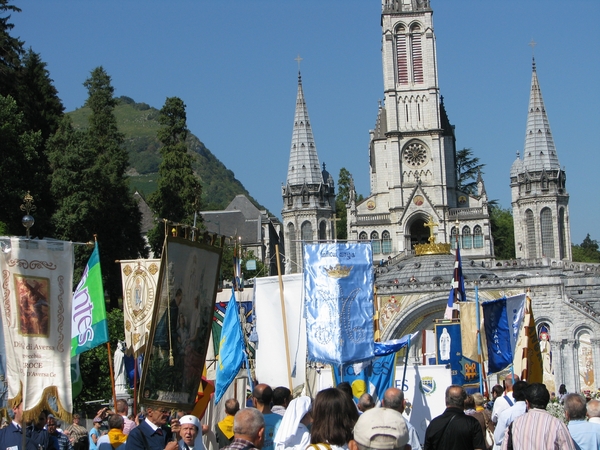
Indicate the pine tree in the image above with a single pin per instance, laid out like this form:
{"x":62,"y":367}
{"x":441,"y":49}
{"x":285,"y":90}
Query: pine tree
{"x":19,"y":156}
{"x":11,"y":50}
{"x":178,"y":195}
{"x":467,"y":169}
{"x":90,"y":185}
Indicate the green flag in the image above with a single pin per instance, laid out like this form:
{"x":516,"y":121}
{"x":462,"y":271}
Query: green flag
{"x":89,"y":327}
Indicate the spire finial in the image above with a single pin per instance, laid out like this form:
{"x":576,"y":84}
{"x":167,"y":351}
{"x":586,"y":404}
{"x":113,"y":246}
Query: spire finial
{"x":532,"y":44}
{"x":297,"y":58}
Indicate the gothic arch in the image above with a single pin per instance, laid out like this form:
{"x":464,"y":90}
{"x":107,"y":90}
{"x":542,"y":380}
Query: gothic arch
{"x":323,"y":230}
{"x":415,"y":229}
{"x":547,"y":232}
{"x":306,"y":231}
{"x":411,"y":318}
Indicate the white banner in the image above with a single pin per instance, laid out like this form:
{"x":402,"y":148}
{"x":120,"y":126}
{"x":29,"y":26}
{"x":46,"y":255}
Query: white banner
{"x":37,"y":283}
{"x":271,"y":366}
{"x":140,"y":278}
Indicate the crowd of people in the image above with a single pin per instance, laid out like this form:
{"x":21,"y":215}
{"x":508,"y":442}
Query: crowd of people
{"x":514,"y":418}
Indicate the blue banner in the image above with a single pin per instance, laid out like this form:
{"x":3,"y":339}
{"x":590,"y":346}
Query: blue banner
{"x":502,"y":320}
{"x":449,"y":352}
{"x":231,"y":349}
{"x":338,"y":288}
{"x":371,"y":377}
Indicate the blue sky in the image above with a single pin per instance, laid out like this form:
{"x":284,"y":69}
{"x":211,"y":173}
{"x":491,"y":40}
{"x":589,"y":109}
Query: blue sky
{"x":232,"y":63}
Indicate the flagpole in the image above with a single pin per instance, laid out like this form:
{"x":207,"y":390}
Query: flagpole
{"x":285,"y":334}
{"x":112,"y":376}
{"x":479,"y":349}
{"x":406,"y":360}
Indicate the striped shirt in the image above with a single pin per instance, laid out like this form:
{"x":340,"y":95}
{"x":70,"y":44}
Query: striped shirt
{"x":538,"y":429}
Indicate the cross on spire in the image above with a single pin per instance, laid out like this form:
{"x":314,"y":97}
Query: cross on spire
{"x":297,"y":58}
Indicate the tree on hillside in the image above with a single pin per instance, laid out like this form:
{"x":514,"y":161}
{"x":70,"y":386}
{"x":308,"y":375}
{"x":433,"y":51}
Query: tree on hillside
{"x":100,"y":202}
{"x":467,"y":168}
{"x":587,"y":251}
{"x":178,"y":195}
{"x":503,"y":232}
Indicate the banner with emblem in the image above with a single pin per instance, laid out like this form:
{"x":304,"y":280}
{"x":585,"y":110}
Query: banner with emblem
{"x":37,"y":283}
{"x":140,"y":281}
{"x":338,"y":286}
{"x":449,"y":351}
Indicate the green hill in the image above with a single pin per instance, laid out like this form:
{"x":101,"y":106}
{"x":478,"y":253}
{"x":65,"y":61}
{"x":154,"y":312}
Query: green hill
{"x":139,"y":123}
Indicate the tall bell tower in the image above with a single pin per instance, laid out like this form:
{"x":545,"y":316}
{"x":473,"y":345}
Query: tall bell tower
{"x":540,"y":200}
{"x":412,"y":150}
{"x":309,"y":193}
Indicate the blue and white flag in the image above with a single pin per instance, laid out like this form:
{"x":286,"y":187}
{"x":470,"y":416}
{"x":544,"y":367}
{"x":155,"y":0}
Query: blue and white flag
{"x":502,"y":320}
{"x":457,"y":291}
{"x":369,"y":377}
{"x":231,"y":349}
{"x":338,"y":286}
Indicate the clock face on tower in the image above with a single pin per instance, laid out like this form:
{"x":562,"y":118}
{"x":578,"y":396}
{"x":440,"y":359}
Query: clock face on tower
{"x":415,"y":154}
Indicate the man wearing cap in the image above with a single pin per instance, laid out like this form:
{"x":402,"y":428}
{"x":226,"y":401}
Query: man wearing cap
{"x":380,"y":429}
{"x":454,"y":430}
{"x":393,"y":398}
{"x":115,"y":436}
{"x":152,"y":433}
{"x":191,"y":433}
{"x":248,"y":429}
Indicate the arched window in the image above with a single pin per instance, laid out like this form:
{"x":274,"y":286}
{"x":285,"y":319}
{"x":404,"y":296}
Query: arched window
{"x":467,"y":239}
{"x":292,"y":245}
{"x":386,"y":242}
{"x":307,"y":232}
{"x":561,"y":233}
{"x":530,"y":226}
{"x":401,"y":59}
{"x":375,"y":242}
{"x":585,"y":357}
{"x":547,"y":233}
{"x":363,"y":236}
{"x":454,"y":235}
{"x":477,"y":237}
{"x":323,"y":231}
{"x":416,"y":54}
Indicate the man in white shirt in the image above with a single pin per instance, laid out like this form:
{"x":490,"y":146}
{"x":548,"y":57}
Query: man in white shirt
{"x":507,"y":400}
{"x":393,"y":398}
{"x":507,"y":416}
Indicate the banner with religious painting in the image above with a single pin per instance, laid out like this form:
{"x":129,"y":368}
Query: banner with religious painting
{"x":36,"y":288}
{"x":585,"y":358}
{"x":140,"y":282}
{"x":181,"y":324}
{"x":449,"y":352}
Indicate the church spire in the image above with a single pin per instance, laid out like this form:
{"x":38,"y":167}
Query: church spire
{"x":539,"y":152}
{"x":304,"y":164}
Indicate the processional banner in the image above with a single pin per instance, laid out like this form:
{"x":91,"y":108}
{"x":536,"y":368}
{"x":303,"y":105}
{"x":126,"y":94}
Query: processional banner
{"x":271,"y":354}
{"x":37,"y":282}
{"x":338,"y":286}
{"x":140,"y":281}
{"x":181,"y":324}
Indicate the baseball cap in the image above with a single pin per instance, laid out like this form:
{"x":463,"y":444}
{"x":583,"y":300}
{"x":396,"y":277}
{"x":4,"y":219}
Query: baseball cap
{"x":190,"y":419}
{"x":382,"y":429}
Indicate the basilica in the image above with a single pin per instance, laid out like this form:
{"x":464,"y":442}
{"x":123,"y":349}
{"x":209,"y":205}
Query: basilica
{"x":415,"y":199}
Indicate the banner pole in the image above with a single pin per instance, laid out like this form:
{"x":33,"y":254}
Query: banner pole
{"x":283,"y":315}
{"x":479,"y":349}
{"x":405,"y":361}
{"x":112,"y":376}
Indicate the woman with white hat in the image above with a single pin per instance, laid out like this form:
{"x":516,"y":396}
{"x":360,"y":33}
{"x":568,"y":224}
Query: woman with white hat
{"x":191,"y":433}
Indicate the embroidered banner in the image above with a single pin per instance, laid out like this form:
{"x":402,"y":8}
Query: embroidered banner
{"x":140,"y":281}
{"x":338,"y":286}
{"x":37,"y":282}
{"x":181,"y":324}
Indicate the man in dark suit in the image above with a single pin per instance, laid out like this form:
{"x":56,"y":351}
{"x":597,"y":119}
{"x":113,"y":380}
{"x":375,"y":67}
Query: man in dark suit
{"x":11,"y":437}
{"x":152,"y":433}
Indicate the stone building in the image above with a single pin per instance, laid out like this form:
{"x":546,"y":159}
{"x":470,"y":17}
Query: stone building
{"x":413,"y":181}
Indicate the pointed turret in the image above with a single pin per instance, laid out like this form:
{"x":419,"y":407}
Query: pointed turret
{"x":539,"y":152}
{"x":304,"y":164}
